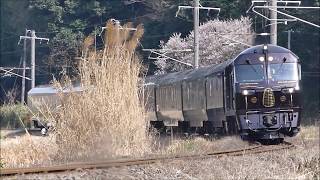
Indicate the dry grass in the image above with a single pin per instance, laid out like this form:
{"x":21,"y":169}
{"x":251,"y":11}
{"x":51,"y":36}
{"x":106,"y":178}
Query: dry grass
{"x":301,"y":162}
{"x":26,"y":150}
{"x":309,"y":132}
{"x":200,"y":145}
{"x":12,"y":114}
{"x":106,"y":120}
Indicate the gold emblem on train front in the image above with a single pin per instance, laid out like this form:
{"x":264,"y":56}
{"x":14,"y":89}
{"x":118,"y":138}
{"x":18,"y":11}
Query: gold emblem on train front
{"x":268,"y":99}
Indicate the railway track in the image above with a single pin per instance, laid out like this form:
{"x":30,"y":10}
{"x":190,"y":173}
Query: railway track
{"x":255,"y":149}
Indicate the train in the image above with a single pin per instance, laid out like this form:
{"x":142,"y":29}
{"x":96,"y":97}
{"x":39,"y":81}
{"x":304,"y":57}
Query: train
{"x":43,"y":101}
{"x":256,"y":95}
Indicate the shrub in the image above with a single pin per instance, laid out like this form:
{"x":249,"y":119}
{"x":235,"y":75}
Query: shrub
{"x":10,"y":115}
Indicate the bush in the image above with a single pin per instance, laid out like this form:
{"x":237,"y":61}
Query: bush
{"x":10,"y":114}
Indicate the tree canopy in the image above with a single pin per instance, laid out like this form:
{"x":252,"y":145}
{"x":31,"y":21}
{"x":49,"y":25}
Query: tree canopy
{"x":219,"y":41}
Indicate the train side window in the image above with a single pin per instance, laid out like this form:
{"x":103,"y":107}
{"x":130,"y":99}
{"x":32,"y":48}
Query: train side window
{"x":232,"y":90}
{"x":299,"y":71}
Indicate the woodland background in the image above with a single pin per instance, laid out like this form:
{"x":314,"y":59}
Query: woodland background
{"x":67,"y":22}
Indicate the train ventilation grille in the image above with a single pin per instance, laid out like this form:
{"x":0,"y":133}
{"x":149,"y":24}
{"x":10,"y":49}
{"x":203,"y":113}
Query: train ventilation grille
{"x":268,"y":98}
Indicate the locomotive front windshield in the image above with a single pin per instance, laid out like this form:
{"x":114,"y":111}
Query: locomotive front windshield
{"x":283,"y":72}
{"x":250,"y":73}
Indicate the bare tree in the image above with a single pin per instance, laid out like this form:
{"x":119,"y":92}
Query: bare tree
{"x":218,"y":41}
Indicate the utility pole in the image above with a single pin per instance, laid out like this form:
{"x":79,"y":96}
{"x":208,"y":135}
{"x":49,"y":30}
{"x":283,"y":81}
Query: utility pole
{"x":33,"y":39}
{"x":23,"y":81}
{"x":274,"y":26}
{"x":33,"y":58}
{"x":118,"y":28}
{"x":289,"y":38}
{"x":196,"y":8}
{"x":196,"y":33}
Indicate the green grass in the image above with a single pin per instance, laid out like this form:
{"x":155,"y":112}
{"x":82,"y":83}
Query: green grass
{"x":10,"y":114}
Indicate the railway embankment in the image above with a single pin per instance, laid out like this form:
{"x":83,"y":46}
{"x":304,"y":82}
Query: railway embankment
{"x":298,"y":162}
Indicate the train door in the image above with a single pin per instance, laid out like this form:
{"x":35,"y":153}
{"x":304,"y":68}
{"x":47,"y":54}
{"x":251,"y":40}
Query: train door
{"x":230,"y":124}
{"x":229,"y":94}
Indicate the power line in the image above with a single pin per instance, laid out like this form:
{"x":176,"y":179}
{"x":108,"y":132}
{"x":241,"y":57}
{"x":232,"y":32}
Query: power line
{"x":10,"y":52}
{"x":14,"y":34}
{"x":273,"y":8}
{"x":15,"y":80}
{"x":9,"y":37}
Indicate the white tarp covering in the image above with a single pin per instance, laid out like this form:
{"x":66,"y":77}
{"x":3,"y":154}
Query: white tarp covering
{"x":44,"y":100}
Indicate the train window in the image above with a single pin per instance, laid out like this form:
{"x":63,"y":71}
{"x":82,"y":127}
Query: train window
{"x":249,"y":73}
{"x":284,"y":71}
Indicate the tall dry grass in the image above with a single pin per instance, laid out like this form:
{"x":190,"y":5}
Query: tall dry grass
{"x":26,"y":151}
{"x":106,"y":119}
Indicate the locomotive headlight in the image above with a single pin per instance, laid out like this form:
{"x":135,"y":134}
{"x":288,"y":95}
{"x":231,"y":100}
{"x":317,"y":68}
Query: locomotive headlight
{"x":254,"y":100}
{"x":287,"y":90}
{"x":270,"y":58}
{"x":265,"y":47}
{"x":261,"y":58}
{"x":247,"y":92}
{"x":290,"y":90}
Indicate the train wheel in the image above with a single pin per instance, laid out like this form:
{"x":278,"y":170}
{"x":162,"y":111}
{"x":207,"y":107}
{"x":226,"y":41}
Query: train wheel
{"x":232,"y":125}
{"x":225,"y":127}
{"x":293,"y":132}
{"x":245,"y":137}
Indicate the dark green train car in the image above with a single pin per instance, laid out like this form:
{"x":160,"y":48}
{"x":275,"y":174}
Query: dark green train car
{"x":257,"y":95}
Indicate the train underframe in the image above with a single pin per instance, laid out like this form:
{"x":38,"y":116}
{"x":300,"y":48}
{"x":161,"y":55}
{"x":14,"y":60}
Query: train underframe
{"x":184,"y":128}
{"x":269,"y":125}
{"x":252,"y":126}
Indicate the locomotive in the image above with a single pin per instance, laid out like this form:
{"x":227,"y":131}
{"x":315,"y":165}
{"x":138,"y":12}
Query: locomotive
{"x":256,"y":95}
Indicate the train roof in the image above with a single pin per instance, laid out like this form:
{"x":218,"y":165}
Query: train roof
{"x":212,"y":69}
{"x":191,"y":74}
{"x":271,"y":48}
{"x":252,"y":53}
{"x":50,"y":90}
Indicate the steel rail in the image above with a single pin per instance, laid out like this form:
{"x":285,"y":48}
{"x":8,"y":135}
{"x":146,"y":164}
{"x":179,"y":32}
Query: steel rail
{"x":129,"y":162}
